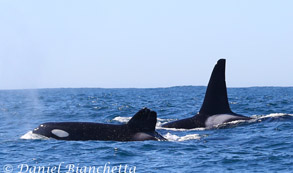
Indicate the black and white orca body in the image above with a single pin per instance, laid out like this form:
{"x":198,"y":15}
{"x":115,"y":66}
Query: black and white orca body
{"x":139,"y":128}
{"x":215,"y":109}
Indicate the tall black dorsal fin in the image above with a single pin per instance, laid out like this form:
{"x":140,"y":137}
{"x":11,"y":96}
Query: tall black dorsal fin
{"x":216,"y":99}
{"x":143,"y":121}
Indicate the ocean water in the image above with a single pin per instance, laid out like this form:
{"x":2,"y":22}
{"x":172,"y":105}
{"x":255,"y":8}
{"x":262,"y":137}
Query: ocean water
{"x":262,"y":145}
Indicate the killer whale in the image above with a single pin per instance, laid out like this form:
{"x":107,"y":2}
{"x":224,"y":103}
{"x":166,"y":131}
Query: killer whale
{"x":139,"y":128}
{"x":215,"y":109}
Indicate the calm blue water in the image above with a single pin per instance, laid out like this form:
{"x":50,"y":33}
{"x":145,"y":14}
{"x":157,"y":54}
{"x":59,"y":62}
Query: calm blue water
{"x":265,"y":145}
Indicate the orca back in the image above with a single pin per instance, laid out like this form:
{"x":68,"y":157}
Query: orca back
{"x":139,"y":128}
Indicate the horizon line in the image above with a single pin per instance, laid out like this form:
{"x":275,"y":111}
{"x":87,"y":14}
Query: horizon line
{"x":44,"y":88}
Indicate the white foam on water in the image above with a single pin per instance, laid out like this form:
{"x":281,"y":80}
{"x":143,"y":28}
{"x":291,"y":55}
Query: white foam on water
{"x":122,"y":119}
{"x":272,"y":115}
{"x":171,"y":137}
{"x":31,"y":135}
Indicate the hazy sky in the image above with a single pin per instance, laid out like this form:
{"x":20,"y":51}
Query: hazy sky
{"x":153,"y":43}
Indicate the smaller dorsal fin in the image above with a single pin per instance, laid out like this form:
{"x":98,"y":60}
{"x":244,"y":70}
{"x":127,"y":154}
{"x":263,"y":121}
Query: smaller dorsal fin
{"x":216,"y":99}
{"x":143,"y":121}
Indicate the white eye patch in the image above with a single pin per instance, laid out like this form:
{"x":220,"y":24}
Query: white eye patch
{"x":60,"y":133}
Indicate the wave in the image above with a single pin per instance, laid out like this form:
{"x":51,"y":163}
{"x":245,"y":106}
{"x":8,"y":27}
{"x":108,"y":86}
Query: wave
{"x":31,"y":135}
{"x":171,"y":137}
{"x":272,"y":115}
{"x":122,"y":119}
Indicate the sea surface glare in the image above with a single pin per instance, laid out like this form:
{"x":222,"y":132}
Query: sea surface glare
{"x":262,"y":145}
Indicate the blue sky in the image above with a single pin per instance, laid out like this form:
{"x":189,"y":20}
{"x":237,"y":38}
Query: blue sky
{"x":118,"y":44}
